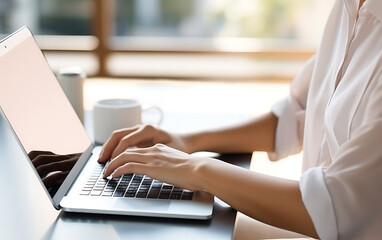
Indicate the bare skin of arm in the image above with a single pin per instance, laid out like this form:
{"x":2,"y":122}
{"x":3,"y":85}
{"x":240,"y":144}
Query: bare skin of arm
{"x":165,"y":156}
{"x":271,"y":200}
{"x":254,"y":135}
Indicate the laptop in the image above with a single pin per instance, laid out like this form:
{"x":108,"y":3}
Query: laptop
{"x":61,"y":153}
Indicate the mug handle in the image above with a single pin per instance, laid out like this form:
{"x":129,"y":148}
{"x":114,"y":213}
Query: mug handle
{"x":159,"y":119}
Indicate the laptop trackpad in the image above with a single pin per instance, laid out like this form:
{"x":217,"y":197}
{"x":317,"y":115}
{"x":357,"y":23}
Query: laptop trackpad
{"x":142,"y":204}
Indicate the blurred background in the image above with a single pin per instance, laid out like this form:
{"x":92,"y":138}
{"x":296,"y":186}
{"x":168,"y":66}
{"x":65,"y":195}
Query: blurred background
{"x":179,"y":39}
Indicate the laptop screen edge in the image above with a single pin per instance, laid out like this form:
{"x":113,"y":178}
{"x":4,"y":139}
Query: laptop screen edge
{"x":6,"y":44}
{"x":65,"y":186}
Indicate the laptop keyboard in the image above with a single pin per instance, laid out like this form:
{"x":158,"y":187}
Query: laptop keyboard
{"x":131,"y":186}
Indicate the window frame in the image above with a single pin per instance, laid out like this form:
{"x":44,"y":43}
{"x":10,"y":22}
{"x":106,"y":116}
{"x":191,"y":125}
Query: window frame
{"x":99,"y":44}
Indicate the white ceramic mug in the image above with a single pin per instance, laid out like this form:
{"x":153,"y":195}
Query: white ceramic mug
{"x":113,"y":114}
{"x":71,"y":80}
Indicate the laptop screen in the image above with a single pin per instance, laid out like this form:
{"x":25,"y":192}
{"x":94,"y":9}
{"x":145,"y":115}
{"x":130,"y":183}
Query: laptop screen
{"x":38,"y":110}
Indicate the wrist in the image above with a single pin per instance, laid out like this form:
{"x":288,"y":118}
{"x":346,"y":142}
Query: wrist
{"x":201,"y":173}
{"x":209,"y":173}
{"x":194,"y":142}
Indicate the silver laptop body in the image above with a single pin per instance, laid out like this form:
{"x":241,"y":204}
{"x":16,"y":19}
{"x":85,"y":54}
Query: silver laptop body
{"x":44,"y":122}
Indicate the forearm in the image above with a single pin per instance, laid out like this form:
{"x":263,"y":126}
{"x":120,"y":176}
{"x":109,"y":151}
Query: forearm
{"x":255,"y":135}
{"x":268,"y":199}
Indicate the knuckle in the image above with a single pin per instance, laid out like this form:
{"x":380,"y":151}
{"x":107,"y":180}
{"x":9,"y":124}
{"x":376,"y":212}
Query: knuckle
{"x":159,"y":146}
{"x":155,"y":148}
{"x":125,"y":140}
{"x":126,"y":168}
{"x":116,"y":132}
{"x":148,"y":127}
{"x":129,"y":167}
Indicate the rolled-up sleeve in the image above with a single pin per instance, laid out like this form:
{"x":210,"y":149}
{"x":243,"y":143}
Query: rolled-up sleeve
{"x":291,"y":115}
{"x":318,"y":202}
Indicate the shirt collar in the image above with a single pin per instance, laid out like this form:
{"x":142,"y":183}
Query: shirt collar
{"x":375,"y":8}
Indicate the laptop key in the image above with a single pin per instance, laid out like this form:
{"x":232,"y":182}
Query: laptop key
{"x":130,"y":194}
{"x":118,"y":194}
{"x":107,"y":194}
{"x":154,"y":193}
{"x":175,"y":196}
{"x":95,"y":193}
{"x":141,"y":195}
{"x":138,"y":186}
{"x":187,"y":195}
{"x":84,"y":192}
{"x":164,"y":194}
{"x":166,"y":186}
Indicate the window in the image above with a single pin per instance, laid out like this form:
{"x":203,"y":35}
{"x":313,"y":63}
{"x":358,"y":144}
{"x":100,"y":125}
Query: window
{"x":172,"y":38}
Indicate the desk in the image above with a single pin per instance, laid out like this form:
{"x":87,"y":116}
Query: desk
{"x":26,"y":212}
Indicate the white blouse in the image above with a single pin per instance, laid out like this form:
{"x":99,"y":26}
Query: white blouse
{"x":334,"y":114}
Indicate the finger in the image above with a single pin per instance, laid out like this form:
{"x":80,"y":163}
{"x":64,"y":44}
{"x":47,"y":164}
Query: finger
{"x":141,"y":137}
{"x":131,"y":167}
{"x":126,"y":142}
{"x":123,"y":159}
{"x":137,"y":156}
{"x":112,"y":142}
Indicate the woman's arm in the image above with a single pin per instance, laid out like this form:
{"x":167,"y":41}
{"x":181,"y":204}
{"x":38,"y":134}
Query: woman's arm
{"x":271,"y":200}
{"x":255,"y":135}
{"x":268,"y":199}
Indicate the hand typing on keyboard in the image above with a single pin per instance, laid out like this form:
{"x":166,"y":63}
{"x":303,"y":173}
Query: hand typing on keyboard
{"x":159,"y":162}
{"x":140,"y":136}
{"x":168,"y":163}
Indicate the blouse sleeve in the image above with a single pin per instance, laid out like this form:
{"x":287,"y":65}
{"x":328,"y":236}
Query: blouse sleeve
{"x":344,"y":200}
{"x":291,"y":115}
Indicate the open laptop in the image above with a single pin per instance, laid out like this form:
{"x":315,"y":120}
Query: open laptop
{"x":62,"y":155}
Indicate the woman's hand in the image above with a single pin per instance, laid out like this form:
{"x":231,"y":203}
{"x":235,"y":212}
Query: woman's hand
{"x":139,"y":136}
{"x":159,"y":162}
